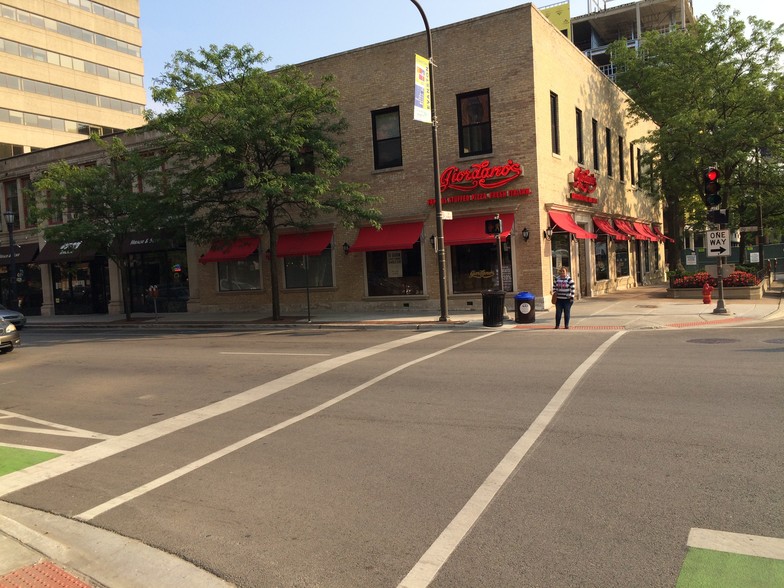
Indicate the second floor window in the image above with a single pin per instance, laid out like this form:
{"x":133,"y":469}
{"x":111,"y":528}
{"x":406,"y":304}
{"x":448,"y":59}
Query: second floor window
{"x":595,"y":142}
{"x":578,"y":118}
{"x":473,"y":117}
{"x":387,"y":145}
{"x":608,"y":145}
{"x":554,"y":125}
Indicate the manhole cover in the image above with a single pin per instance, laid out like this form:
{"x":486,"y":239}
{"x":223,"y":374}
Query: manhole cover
{"x":775,"y":341}
{"x":712,"y":341}
{"x":647,"y":306}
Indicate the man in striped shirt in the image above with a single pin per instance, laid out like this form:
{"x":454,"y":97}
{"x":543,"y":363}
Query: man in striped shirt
{"x":563,"y":288}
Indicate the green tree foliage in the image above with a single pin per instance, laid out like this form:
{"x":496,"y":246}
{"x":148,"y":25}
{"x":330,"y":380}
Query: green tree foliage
{"x":716,"y":91}
{"x":256,"y":151}
{"x":104,"y":203}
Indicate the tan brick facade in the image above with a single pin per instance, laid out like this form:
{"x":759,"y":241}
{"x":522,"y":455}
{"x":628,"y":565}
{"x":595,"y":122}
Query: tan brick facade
{"x":521,"y":58}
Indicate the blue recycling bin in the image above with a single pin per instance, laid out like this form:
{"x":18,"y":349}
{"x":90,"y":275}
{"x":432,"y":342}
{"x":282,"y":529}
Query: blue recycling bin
{"x":525,"y":307}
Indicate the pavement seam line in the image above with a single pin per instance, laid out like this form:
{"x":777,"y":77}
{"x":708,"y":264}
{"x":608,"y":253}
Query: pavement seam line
{"x":431,"y":562}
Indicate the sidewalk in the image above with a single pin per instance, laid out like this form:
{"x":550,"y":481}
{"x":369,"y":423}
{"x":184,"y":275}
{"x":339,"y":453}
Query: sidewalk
{"x":646,"y":307}
{"x":41,"y":550}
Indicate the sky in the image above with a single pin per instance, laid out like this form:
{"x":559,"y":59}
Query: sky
{"x":299,"y":30}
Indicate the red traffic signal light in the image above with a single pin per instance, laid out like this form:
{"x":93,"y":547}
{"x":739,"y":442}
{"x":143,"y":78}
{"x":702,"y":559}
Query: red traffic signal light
{"x":711,"y":187}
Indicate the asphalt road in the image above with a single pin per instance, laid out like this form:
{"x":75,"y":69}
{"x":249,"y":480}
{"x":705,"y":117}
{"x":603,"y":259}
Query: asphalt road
{"x":375,"y":458}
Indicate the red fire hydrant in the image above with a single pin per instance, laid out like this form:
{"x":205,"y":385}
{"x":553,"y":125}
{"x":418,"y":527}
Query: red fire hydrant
{"x":706,"y":293}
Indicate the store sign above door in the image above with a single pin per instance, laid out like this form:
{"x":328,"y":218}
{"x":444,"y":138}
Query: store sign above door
{"x":478,"y":176}
{"x":583,"y":184}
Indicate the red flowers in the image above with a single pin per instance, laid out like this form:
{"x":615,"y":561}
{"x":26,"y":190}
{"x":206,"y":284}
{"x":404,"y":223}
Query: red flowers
{"x":698,"y":280}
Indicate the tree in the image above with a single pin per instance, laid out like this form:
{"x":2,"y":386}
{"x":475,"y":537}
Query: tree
{"x":123,"y":193}
{"x":717,"y":94}
{"x":256,"y":151}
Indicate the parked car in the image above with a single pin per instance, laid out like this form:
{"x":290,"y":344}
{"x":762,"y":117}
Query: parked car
{"x":9,"y":337}
{"x":12,"y":316}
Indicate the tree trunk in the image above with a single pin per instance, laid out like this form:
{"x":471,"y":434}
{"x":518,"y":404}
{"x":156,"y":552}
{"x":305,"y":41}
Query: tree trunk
{"x":273,"y":265}
{"x":674,"y":223}
{"x":125,"y":285}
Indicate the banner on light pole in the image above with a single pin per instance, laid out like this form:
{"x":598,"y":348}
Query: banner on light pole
{"x":422,"y":90}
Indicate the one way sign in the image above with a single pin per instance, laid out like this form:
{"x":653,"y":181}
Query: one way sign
{"x":717,"y":243}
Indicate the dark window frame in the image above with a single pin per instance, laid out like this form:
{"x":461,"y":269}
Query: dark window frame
{"x":578,"y":120}
{"x":474,"y":138}
{"x":555,"y":131}
{"x":595,"y":143}
{"x":608,"y":148}
{"x":393,"y":144}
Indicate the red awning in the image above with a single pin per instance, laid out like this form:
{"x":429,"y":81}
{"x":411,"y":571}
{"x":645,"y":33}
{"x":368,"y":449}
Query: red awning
{"x":230,"y":250}
{"x":388,"y":238}
{"x":605,"y":224}
{"x":566,"y":222}
{"x":471,"y":229}
{"x":658,"y":231}
{"x":298,"y":244}
{"x":646,"y":230}
{"x":625,"y":227}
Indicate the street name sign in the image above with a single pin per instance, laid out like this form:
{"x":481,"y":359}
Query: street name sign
{"x":717,"y":243}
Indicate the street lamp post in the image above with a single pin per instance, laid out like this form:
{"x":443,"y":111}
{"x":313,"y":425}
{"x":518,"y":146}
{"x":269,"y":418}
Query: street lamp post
{"x":440,"y":252}
{"x":10,"y":218}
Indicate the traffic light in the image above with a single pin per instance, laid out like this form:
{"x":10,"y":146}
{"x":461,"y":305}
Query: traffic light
{"x":711,"y":187}
{"x":718,"y":216}
{"x":493,"y":226}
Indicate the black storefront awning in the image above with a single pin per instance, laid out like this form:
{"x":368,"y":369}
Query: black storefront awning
{"x":146,"y":242}
{"x":24,"y":253}
{"x":65,"y":252}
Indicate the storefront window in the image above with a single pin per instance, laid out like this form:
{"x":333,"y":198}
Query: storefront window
{"x":475,"y":267}
{"x":28,"y":288}
{"x":395,"y":273}
{"x":601,"y":245}
{"x":560,"y":256}
{"x":81,"y":288}
{"x":244,"y":274}
{"x":166,"y":269}
{"x":621,"y":258}
{"x":314,"y":271}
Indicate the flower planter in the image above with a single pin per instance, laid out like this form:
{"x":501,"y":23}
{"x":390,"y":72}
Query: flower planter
{"x":731,"y":293}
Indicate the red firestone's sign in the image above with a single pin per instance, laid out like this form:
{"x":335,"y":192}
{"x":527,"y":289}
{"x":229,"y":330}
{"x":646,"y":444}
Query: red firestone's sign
{"x":583,"y":183}
{"x":480,"y":175}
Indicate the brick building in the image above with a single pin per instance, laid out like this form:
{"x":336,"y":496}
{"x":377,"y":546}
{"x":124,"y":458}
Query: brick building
{"x":529,"y":130}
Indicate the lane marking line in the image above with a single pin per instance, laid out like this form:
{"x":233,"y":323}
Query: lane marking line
{"x":55,"y":467}
{"x":53,"y":432}
{"x":34,"y":448}
{"x":264,"y":353}
{"x":740,"y":543}
{"x":428,"y":566}
{"x":178,"y":473}
{"x":7,"y":414}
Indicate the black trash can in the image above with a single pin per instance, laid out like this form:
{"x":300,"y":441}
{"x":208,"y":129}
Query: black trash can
{"x":493,"y":308}
{"x":525,"y":307}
